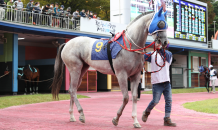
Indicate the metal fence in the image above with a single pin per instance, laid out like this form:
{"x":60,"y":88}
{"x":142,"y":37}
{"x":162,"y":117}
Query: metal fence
{"x":8,"y":13}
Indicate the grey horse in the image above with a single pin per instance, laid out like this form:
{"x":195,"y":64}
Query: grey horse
{"x":76,"y":55}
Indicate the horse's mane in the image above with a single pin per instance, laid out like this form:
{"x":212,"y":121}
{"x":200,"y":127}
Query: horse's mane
{"x":138,"y":17}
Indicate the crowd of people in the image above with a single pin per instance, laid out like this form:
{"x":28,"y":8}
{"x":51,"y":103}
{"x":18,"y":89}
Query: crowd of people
{"x":54,"y":10}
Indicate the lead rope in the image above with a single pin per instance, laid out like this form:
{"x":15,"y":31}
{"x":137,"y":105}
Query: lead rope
{"x":163,"y":58}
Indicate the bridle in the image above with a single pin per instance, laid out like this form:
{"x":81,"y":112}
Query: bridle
{"x":158,"y":51}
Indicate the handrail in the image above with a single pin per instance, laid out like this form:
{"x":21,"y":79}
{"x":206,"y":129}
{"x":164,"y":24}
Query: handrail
{"x":61,"y":21}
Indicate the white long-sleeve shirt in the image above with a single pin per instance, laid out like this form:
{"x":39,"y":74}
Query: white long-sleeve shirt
{"x":163,"y":75}
{"x":19,"y":5}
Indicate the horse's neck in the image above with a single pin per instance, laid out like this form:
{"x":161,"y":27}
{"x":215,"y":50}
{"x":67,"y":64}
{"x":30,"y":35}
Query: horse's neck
{"x":138,"y":31}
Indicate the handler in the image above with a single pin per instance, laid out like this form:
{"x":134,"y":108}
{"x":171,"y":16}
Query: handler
{"x":213,"y":77}
{"x":160,"y":84}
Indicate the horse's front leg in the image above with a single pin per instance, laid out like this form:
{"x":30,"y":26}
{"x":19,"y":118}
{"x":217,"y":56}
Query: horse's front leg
{"x":122,"y":80}
{"x":134,"y":89}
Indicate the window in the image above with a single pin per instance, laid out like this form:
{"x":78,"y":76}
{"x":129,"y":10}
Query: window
{"x":195,"y":63}
{"x":176,"y":70}
{"x":203,"y":61}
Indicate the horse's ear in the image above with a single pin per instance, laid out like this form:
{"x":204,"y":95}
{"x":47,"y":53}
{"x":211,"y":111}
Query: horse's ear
{"x":165,"y":13}
{"x":160,"y":11}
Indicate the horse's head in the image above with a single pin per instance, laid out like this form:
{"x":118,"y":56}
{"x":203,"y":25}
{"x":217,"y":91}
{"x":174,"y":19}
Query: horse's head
{"x":203,"y":69}
{"x":20,"y":73}
{"x":158,"y":27}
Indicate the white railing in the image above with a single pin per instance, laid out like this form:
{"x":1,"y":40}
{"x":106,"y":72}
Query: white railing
{"x":8,"y":13}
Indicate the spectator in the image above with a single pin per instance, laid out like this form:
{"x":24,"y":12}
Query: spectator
{"x":36,"y":11}
{"x":61,"y":14}
{"x":9,"y":11}
{"x":56,"y":14}
{"x":18,"y":7}
{"x":76,"y":17}
{"x":29,"y":6}
{"x":95,"y":16}
{"x":87,"y":13}
{"x":82,"y":13}
{"x":2,"y":3}
{"x":52,"y":8}
{"x":46,"y":10}
{"x":91,"y":14}
{"x":67,"y":15}
{"x":29,"y":10}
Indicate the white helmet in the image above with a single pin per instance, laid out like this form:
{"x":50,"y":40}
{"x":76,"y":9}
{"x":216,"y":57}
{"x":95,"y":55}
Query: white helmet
{"x":210,"y":66}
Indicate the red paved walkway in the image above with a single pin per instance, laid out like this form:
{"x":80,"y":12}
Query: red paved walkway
{"x":99,"y":111}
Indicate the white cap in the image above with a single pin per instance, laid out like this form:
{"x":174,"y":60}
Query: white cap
{"x":210,"y":66}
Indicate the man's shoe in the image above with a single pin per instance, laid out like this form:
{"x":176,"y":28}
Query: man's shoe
{"x":167,"y":122}
{"x":145,"y":116}
{"x":138,"y":99}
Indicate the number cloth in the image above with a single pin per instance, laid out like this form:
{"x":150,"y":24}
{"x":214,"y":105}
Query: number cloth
{"x":99,"y":49}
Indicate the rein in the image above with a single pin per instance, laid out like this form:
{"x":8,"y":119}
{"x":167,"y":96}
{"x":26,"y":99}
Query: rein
{"x":138,"y":51}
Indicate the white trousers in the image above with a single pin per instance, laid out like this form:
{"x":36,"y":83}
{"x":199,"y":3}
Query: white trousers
{"x":213,"y":84}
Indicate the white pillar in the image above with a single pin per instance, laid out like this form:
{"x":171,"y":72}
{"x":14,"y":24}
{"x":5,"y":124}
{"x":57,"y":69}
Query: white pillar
{"x":120,"y":11}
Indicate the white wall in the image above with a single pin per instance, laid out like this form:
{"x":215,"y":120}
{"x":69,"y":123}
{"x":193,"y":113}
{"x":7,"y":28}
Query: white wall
{"x":120,"y":7}
{"x":181,"y":61}
{"x":215,"y":44}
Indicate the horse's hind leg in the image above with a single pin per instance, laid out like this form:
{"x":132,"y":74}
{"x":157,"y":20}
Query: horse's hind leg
{"x":207,"y":87}
{"x":30,"y":86}
{"x":84,"y":69}
{"x":75,"y":67}
{"x":122,"y":79}
{"x":37,"y":87}
{"x":33,"y":83}
{"x":25,"y":88}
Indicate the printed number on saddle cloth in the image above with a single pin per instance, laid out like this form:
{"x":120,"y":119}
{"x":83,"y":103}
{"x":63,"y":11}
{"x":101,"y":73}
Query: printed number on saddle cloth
{"x":99,"y":49}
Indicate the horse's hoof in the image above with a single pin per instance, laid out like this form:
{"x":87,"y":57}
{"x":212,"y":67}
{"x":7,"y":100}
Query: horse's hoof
{"x":37,"y":93}
{"x":72,"y":119}
{"x":137,"y":125}
{"x":82,"y":119}
{"x":115,"y":121}
{"x":24,"y":94}
{"x":31,"y":94}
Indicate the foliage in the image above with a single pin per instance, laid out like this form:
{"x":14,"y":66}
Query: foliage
{"x":185,"y":90}
{"x":210,"y":8}
{"x":206,"y":106}
{"x":29,"y":99}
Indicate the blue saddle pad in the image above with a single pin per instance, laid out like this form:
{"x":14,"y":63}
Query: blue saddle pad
{"x":99,"y":49}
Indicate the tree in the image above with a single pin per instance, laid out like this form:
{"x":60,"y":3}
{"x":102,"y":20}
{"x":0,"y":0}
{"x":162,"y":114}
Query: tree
{"x":210,"y":9}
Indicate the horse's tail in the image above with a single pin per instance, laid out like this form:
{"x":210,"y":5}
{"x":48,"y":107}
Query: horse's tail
{"x":58,"y":74}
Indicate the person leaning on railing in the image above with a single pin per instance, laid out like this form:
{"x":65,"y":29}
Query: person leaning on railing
{"x":18,"y":5}
{"x":36,"y":10}
{"x":56,"y":14}
{"x":61,"y":15}
{"x":67,"y":17}
{"x":10,"y":12}
{"x":2,"y":3}
{"x":47,"y":12}
{"x":29,"y":9}
{"x":76,"y":17}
